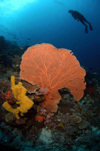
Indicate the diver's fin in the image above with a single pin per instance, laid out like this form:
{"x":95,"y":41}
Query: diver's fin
{"x":90,"y":26}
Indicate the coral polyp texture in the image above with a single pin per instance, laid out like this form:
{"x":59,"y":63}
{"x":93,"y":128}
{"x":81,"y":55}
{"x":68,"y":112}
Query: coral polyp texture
{"x":53,"y":68}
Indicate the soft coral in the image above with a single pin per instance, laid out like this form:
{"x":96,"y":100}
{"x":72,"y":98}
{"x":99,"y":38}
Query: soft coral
{"x":53,"y":69}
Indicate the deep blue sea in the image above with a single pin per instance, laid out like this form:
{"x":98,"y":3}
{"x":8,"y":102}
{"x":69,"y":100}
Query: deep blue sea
{"x":29,"y":22}
{"x":69,"y":24}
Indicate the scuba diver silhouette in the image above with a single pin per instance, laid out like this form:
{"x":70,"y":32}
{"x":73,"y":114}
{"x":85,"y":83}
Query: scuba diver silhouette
{"x":76,"y":15}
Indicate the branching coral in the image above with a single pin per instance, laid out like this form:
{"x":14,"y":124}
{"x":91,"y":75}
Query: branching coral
{"x":53,"y":69}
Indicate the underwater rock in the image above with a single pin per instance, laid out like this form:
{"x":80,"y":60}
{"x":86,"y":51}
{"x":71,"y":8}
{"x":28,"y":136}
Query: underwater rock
{"x":30,"y":88}
{"x":5,"y":86}
{"x":84,"y":124}
{"x":45,"y":136}
{"x":6,"y":61}
{"x":58,"y":137}
{"x":71,"y":131}
{"x":76,"y":118}
{"x":4,"y":147}
{"x":16,"y":59}
{"x":16,"y":63}
{"x":9,"y":117}
{"x":90,"y":138}
{"x":2,"y":70}
{"x":21,"y":121}
{"x":2,"y":43}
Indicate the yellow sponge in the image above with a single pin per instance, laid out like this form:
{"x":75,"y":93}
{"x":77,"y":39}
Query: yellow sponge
{"x":19,"y":93}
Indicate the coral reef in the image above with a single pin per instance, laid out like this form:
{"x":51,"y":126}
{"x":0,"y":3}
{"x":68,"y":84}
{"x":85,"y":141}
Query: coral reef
{"x":75,"y":126}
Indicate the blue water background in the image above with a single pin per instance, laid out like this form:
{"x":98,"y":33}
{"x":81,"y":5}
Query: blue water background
{"x":48,"y":21}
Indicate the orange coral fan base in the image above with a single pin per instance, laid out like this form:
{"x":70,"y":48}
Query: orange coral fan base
{"x":54,"y":69}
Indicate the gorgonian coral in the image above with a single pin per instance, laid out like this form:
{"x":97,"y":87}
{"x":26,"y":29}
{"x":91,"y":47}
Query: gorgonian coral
{"x":53,"y":69}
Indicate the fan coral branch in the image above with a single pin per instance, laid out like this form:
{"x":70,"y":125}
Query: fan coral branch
{"x":53,"y":68}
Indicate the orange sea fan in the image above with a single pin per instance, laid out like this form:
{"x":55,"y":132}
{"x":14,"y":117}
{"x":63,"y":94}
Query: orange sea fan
{"x":53,"y":68}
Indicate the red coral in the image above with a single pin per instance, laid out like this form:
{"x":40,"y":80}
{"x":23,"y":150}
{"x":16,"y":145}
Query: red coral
{"x":8,"y":95}
{"x":53,"y":69}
